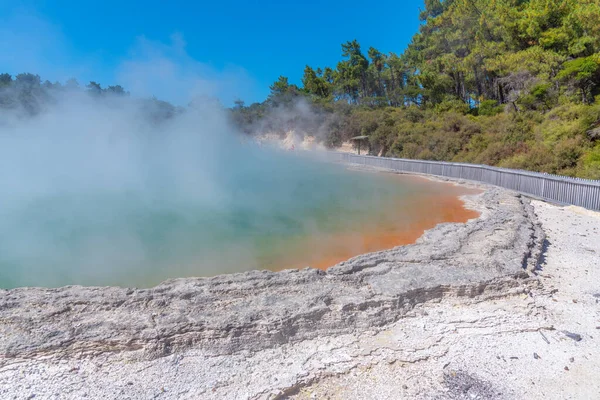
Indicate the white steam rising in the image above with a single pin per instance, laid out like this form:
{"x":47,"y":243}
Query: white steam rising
{"x":95,"y":192}
{"x":70,"y":175}
{"x":115,"y":190}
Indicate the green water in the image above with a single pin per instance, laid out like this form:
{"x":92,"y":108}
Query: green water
{"x":142,"y":235}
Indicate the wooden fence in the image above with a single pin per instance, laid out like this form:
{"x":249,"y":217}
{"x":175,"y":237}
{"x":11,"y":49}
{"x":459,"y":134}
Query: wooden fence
{"x":554,"y":188}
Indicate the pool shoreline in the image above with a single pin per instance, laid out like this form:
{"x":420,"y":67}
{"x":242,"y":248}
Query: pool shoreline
{"x":261,"y":315}
{"x":455,"y":210}
{"x":496,"y":208}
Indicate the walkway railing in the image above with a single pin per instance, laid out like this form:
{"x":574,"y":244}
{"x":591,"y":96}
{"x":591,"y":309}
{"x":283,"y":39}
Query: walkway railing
{"x":560,"y":189}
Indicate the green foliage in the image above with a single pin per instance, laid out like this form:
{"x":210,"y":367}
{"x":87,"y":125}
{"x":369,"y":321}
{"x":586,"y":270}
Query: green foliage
{"x":591,"y":164}
{"x":453,"y":105}
{"x":283,"y":93}
{"x":539,"y":97}
{"x":584,"y":74}
{"x":503,"y":82}
{"x":523,"y":53}
{"x":489,"y":108}
{"x":316,"y":83}
{"x":554,"y":142}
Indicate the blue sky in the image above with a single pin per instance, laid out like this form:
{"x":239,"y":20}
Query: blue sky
{"x":174,"y":49}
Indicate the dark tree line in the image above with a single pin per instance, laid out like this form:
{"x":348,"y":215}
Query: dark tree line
{"x":25,"y":96}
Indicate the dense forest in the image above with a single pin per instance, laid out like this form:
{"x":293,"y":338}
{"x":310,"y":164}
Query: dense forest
{"x":514,"y":83}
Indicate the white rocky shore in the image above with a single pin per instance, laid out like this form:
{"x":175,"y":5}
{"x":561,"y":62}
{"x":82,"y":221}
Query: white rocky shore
{"x":506,"y":306}
{"x":544,"y":344}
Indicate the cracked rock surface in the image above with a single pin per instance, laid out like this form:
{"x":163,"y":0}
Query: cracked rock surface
{"x":516,"y":346}
{"x":270,"y":334}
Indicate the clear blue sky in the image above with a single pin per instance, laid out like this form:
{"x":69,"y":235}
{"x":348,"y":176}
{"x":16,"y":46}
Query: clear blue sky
{"x":223,"y":48}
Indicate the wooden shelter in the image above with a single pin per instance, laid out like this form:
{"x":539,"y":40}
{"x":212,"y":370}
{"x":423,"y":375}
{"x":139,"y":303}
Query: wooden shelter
{"x":359,"y":140}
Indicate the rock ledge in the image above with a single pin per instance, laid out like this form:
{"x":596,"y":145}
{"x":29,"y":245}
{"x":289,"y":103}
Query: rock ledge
{"x":486,"y":257}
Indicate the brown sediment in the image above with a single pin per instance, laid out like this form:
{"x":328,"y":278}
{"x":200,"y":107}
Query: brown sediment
{"x":427,"y":211}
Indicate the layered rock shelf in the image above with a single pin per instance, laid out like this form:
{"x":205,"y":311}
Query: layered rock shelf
{"x":485,"y":257}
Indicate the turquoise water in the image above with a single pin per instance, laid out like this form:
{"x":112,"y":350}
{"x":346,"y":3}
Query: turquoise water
{"x":243,"y":218}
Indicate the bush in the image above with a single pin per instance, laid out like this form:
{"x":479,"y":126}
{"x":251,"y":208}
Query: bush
{"x":591,"y":164}
{"x":489,"y":108}
{"x":452,"y":105}
{"x":553,"y":142}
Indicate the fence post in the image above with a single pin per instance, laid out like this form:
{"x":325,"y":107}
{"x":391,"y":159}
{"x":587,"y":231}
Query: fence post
{"x":543,"y":188}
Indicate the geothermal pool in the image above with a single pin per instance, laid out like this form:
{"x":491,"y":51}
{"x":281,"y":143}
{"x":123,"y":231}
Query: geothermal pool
{"x":274,"y":213}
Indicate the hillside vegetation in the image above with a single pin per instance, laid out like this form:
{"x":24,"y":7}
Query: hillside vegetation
{"x":513,"y":83}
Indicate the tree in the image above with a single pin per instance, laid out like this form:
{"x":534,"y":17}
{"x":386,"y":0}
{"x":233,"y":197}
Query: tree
{"x":94,"y":88}
{"x":28,"y":80}
{"x":116,"y":90}
{"x":282,"y":92}
{"x":238,"y":104}
{"x":378,"y":63}
{"x":352,"y":72}
{"x":72,"y":84}
{"x":314,"y":83}
{"x":584,"y":74}
{"x":5,"y":80}
{"x":433,"y":9}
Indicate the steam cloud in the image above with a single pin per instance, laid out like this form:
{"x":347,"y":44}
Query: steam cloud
{"x":116,"y":190}
{"x":95,"y":192}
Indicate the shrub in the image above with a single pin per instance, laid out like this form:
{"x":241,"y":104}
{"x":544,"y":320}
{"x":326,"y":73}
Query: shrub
{"x":489,"y":108}
{"x":591,"y":164}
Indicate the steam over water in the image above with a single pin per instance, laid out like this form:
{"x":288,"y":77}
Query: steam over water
{"x":94,"y":195}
